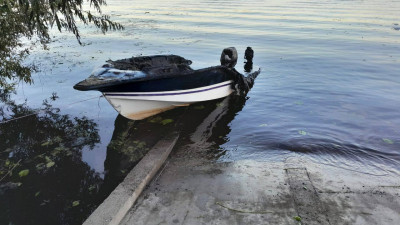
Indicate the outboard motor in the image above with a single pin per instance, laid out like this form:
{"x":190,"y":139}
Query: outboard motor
{"x":248,"y":55}
{"x":229,"y":57}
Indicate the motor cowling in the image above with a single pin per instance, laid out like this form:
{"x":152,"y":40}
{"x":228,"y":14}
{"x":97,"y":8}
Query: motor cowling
{"x":229,"y":57}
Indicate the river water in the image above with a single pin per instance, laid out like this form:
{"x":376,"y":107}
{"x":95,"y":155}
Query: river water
{"x":329,"y":92}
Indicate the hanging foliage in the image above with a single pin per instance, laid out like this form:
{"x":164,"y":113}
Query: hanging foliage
{"x":33,"y":19}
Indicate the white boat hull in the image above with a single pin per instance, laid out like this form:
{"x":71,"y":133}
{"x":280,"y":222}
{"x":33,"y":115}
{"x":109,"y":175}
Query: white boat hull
{"x":140,"y":105}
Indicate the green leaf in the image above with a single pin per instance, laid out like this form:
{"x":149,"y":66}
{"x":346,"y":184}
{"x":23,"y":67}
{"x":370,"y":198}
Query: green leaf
{"x":166,"y":121}
{"x":47,"y":143}
{"x":23,"y":173}
{"x":387,"y":141}
{"x":7,"y":163}
{"x":199,"y":107}
{"x":92,"y":187}
{"x":297,"y":218}
{"x":57,"y":139}
{"x":48,"y":159}
{"x":298,"y":103}
{"x":37,"y":193}
{"x":302,"y":132}
{"x":155,"y":119}
{"x":75,"y":203}
{"x":50,"y":164}
{"x":263,"y":125}
{"x":40,"y":166}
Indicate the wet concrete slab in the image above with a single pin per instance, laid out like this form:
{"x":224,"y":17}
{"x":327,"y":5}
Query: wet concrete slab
{"x":216,"y":193}
{"x":306,"y":199}
{"x":194,"y":190}
{"x":115,"y":207}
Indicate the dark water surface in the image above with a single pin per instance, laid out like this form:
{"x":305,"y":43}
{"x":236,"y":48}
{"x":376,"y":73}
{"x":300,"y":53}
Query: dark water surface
{"x":329,"y":92}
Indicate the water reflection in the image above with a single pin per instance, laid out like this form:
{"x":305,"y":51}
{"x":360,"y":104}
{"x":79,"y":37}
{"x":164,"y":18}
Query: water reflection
{"x":205,"y":127}
{"x":43,"y":177}
{"x":248,"y":66}
{"x":42,"y":174}
{"x":131,"y":140}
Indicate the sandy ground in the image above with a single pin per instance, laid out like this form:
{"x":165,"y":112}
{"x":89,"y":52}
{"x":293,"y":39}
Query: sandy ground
{"x":190,"y":189}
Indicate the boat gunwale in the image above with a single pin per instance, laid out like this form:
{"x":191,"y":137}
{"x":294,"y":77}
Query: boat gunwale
{"x":175,"y":92}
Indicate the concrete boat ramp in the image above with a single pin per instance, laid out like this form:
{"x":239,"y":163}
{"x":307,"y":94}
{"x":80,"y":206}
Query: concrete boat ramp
{"x":191,"y":189}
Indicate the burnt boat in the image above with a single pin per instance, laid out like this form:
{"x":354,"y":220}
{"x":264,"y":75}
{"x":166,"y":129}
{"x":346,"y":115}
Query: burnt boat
{"x":140,"y":87}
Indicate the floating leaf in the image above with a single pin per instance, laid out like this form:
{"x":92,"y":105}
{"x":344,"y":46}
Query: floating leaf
{"x":155,"y":119}
{"x":199,"y":107}
{"x":387,"y":141}
{"x":48,"y":159}
{"x":263,"y":125}
{"x":297,"y":218}
{"x":40,"y":166}
{"x":139,"y":144}
{"x":299,"y":103}
{"x":39,"y":156}
{"x":47,"y":143}
{"x":57,"y":139}
{"x":92,"y":187}
{"x":75,"y":203}
{"x":45,"y":202}
{"x":166,"y":121}
{"x":37,"y":193}
{"x":23,"y":173}
{"x":60,"y":148}
{"x":50,"y":164}
{"x":302,"y":132}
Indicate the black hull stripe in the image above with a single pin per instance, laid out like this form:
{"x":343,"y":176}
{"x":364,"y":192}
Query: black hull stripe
{"x":167,"y":94}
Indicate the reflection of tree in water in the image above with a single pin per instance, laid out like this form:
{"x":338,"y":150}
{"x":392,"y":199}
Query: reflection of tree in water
{"x":43,"y":179}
